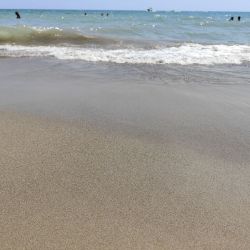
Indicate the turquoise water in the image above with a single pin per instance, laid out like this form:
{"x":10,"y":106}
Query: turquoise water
{"x":156,"y":37}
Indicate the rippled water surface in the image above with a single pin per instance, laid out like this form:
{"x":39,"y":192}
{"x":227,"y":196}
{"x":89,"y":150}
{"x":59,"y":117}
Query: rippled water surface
{"x":127,"y":36}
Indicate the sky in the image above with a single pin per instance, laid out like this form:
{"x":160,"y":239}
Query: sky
{"x":205,"y":5}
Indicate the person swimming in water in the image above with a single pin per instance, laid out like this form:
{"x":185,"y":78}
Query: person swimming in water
{"x":239,"y":18}
{"x":231,"y":19}
{"x":17,"y":15}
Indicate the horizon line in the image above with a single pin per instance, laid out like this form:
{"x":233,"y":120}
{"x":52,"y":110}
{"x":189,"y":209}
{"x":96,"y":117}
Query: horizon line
{"x":82,"y":9}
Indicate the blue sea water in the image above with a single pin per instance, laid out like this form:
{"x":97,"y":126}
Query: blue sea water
{"x":127,"y":36}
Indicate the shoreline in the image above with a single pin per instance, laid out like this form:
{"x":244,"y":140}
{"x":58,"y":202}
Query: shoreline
{"x":94,"y":157}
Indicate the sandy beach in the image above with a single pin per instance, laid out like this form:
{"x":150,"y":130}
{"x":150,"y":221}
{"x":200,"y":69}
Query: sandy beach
{"x":106,"y":156}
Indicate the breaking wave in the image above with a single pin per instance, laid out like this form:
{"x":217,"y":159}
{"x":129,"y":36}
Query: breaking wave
{"x":25,"y":35}
{"x":22,"y":41}
{"x":185,"y":54}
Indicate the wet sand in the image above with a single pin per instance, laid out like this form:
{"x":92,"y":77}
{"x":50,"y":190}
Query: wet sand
{"x":93,"y":158}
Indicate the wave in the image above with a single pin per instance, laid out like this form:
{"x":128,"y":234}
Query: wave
{"x":184,"y":54}
{"x":25,"y":35}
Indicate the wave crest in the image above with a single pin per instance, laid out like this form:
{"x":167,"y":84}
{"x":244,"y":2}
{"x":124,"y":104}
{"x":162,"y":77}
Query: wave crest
{"x":24,"y":35}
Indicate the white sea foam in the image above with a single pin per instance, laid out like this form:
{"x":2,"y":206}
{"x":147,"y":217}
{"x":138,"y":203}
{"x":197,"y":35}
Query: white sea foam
{"x":185,"y":54}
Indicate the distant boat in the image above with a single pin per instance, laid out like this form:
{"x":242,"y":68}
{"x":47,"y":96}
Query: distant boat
{"x":149,"y":10}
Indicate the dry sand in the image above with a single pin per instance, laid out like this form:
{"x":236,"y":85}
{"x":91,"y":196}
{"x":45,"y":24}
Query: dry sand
{"x":67,"y":185}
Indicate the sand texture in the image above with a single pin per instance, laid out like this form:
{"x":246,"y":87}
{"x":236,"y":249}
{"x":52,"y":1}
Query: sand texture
{"x":87,"y":163}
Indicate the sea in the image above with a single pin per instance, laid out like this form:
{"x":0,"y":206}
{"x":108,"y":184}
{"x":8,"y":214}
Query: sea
{"x":132,"y":37}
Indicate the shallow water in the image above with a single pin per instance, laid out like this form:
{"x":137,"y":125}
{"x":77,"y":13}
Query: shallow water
{"x":127,"y":36}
